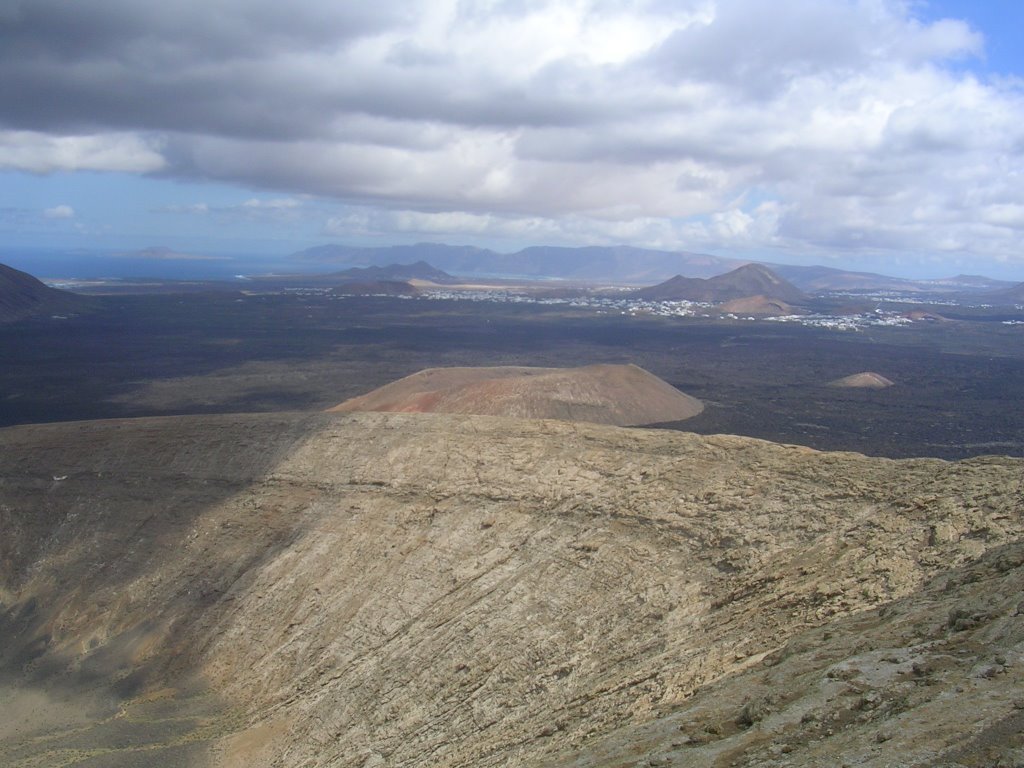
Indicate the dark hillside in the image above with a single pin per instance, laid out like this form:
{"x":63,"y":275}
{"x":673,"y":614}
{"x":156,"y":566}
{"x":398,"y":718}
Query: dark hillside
{"x":22,"y":295}
{"x":748,"y":280}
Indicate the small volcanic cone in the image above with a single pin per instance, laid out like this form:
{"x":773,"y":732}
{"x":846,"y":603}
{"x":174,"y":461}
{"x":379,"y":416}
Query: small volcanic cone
{"x":757,"y":305}
{"x":918,"y":315}
{"x":748,"y":280}
{"x":864,"y":380}
{"x":623,"y":395}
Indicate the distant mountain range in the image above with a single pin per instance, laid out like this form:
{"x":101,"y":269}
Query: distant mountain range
{"x":745,"y":281}
{"x":22,"y":295}
{"x":626,"y":264}
{"x":419,"y":270}
{"x":387,"y":273}
{"x":591,"y":263}
{"x":815,"y":279}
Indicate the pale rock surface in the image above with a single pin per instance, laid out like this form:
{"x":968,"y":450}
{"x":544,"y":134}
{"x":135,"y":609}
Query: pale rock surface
{"x":415,"y":589}
{"x":864,"y":380}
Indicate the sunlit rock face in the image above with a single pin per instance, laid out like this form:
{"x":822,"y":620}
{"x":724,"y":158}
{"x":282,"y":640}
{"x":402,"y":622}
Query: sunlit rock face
{"x":416,"y":589}
{"x":865,"y":380}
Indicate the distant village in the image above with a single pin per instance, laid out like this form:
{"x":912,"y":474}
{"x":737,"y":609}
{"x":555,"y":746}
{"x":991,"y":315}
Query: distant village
{"x":679,"y":308}
{"x":636,"y":307}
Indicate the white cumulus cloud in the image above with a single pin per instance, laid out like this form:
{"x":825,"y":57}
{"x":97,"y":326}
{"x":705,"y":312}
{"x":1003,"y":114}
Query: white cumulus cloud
{"x":818,"y":126}
{"x":40,"y":152}
{"x":59,"y":212}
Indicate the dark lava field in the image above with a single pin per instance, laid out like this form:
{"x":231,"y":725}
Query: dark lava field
{"x":958,"y":384}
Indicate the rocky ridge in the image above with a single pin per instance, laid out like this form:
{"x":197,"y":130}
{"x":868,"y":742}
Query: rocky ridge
{"x":410,"y":589}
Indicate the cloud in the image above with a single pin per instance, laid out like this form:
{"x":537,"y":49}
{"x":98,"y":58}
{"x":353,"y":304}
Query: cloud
{"x":39,"y":152}
{"x":732,"y":228}
{"x":760,"y":49}
{"x":59,"y":212}
{"x":160,"y":253}
{"x":253,"y":209}
{"x":810,"y":125}
{"x":197,"y":209}
{"x":276,"y":204}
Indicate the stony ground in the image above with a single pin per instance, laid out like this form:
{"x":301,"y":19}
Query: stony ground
{"x":394,"y":589}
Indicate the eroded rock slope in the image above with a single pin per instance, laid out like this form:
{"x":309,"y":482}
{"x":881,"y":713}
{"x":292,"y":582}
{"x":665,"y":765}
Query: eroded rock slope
{"x":409,"y":589}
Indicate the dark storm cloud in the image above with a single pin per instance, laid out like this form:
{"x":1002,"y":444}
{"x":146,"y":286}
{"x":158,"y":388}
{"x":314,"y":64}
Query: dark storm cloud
{"x":180,"y":66}
{"x":169,"y":33}
{"x":251,"y":69}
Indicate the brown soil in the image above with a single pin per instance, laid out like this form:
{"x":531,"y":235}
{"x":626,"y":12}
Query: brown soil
{"x":602,"y":394}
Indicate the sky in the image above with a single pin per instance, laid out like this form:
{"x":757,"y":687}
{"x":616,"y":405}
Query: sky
{"x":867,"y":134}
